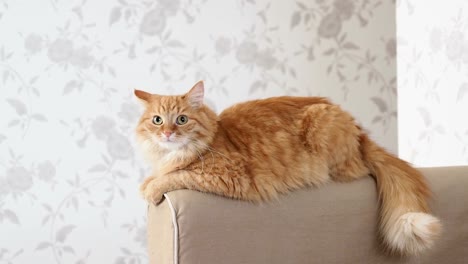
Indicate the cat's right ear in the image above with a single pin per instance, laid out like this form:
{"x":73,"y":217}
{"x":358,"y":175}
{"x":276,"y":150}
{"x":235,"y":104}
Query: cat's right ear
{"x":195,"y":95}
{"x":142,"y":95}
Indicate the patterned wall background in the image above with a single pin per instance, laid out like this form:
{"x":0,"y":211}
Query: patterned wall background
{"x":433,"y":82}
{"x":69,"y":171}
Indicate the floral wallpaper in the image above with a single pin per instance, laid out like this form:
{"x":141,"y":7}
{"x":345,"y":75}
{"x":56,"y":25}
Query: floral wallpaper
{"x":433,"y":82}
{"x":69,"y":169}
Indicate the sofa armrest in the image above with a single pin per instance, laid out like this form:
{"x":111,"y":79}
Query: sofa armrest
{"x":336,"y":223}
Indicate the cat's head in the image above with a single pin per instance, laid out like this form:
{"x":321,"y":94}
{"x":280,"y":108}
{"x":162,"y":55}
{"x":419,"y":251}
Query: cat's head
{"x":181,"y":126}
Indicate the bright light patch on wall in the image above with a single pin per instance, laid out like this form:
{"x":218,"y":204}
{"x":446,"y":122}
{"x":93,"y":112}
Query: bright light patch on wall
{"x":433,"y":82}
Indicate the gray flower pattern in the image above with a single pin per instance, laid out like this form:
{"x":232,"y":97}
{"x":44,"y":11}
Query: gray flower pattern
{"x":246,"y":52}
{"x":223,"y":46}
{"x":33,"y":43}
{"x":60,"y":50}
{"x":19,"y":179}
{"x":330,"y":26}
{"x":81,"y":58}
{"x":103,"y":126}
{"x":344,"y":8}
{"x":46,"y":171}
{"x":119,"y":146}
{"x":153,"y":22}
{"x":454,"y":45}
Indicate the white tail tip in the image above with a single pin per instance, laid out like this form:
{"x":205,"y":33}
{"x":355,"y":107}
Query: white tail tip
{"x":413,"y":233}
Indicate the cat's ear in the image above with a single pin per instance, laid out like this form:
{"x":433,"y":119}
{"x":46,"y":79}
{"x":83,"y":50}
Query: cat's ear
{"x":195,"y":95}
{"x":142,"y":95}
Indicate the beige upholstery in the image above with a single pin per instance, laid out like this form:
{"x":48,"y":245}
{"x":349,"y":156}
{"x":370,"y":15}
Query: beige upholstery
{"x":333,"y":224}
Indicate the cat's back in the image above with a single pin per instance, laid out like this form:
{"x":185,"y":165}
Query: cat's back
{"x":279,"y":108}
{"x":267,"y":132}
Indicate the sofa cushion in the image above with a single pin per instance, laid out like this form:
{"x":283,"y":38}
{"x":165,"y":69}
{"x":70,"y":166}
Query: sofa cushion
{"x":336,"y":223}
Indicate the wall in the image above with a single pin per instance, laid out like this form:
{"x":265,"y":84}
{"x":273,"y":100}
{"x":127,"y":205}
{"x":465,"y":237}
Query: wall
{"x":433,"y":82}
{"x":69,"y":172}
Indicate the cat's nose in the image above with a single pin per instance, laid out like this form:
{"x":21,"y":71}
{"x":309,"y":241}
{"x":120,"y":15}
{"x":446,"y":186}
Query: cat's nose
{"x":167,"y":133}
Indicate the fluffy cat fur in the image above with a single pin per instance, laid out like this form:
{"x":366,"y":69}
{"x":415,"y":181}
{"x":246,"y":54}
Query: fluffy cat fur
{"x":259,"y":149}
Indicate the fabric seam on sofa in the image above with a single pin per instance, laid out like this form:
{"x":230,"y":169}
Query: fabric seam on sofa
{"x":176,"y":229}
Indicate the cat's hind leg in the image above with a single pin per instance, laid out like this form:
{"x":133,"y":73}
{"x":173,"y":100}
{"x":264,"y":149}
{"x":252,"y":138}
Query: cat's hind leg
{"x":332,"y":135}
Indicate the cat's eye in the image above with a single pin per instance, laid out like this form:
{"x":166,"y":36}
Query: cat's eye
{"x":182,"y":120}
{"x":157,"y":120}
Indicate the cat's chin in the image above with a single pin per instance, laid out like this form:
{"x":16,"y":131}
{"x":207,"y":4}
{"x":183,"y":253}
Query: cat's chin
{"x":171,"y":145}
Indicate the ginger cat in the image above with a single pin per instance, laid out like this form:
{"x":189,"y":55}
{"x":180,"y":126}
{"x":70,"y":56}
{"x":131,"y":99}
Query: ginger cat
{"x":257,"y":150}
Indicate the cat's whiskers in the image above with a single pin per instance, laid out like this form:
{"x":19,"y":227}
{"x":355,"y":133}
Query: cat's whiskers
{"x":197,"y":144}
{"x":212,"y":150}
{"x":202,"y":161}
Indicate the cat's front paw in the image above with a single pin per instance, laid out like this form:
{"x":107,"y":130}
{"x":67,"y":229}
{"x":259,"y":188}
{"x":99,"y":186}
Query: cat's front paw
{"x":144,"y":185}
{"x":151,"y":191}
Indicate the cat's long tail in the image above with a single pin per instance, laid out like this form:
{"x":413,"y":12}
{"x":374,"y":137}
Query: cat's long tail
{"x":405,"y":222}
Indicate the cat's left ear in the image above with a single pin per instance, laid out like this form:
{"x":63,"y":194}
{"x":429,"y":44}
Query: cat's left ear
{"x":195,"y":95}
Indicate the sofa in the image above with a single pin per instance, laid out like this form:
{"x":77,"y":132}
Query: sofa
{"x":336,"y":223}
